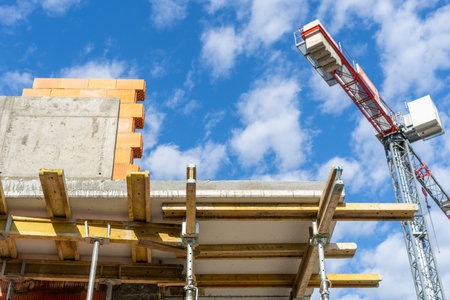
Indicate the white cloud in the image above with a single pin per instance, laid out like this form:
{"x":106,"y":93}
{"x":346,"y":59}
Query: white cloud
{"x":176,"y":99}
{"x":211,"y":119}
{"x":271,"y":118}
{"x":100,"y":69}
{"x":168,"y":162}
{"x":58,"y":6}
{"x":220,"y":48}
{"x":14,"y":82}
{"x":333,"y":100}
{"x":266,"y":23}
{"x":152,"y":129}
{"x":11,"y":14}
{"x":167,"y":13}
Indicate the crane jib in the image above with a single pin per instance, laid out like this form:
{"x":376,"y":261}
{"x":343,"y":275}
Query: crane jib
{"x":358,"y":90}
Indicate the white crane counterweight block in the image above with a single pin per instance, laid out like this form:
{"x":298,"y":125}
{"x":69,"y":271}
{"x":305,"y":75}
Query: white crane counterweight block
{"x":423,"y":118}
{"x":321,"y":49}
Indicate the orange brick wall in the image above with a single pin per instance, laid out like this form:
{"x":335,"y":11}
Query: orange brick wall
{"x":129,"y":144}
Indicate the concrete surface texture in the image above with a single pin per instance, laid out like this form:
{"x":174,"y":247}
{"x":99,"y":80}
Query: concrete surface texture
{"x":76,"y":134}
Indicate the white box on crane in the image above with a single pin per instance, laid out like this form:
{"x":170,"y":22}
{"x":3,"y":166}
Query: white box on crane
{"x":424,"y":118}
{"x":321,"y":49}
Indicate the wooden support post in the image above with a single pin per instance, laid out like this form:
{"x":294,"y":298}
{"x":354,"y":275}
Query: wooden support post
{"x":7,"y":247}
{"x":138,"y":190}
{"x":327,"y":206}
{"x":57,"y":201}
{"x":191,"y":177}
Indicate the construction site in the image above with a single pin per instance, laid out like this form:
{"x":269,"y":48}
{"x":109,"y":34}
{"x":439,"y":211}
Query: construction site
{"x":80,"y":220}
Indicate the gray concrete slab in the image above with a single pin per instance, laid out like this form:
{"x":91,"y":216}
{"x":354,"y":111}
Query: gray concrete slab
{"x":76,"y":134}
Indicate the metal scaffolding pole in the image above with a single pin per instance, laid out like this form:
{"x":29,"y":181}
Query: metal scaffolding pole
{"x":320,"y":240}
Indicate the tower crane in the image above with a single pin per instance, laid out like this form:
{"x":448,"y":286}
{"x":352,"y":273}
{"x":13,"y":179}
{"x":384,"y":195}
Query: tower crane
{"x":406,"y":169}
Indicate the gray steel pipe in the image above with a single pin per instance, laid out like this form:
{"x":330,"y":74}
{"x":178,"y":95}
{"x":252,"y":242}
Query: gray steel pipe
{"x":90,"y":292}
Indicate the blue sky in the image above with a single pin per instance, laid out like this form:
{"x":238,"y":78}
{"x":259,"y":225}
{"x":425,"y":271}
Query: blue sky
{"x":228,"y":90}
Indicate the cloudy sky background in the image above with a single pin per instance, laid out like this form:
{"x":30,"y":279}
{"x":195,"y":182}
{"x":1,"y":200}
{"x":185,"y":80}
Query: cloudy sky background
{"x":228,"y":90}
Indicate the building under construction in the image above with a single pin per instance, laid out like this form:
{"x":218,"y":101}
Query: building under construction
{"x":79,"y":219}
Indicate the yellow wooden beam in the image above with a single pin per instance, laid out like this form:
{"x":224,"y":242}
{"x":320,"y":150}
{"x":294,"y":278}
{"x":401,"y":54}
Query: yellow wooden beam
{"x":284,"y":280}
{"x":326,"y":210}
{"x":191,"y":177}
{"x":250,"y":251}
{"x":7,"y":247}
{"x":291,"y":211}
{"x":78,"y":271}
{"x":138,"y":190}
{"x":57,"y":201}
{"x":74,"y":230}
{"x":55,"y":193}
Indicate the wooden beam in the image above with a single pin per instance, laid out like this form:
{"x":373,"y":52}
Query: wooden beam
{"x":7,"y":247}
{"x":284,"y":280}
{"x":326,"y":210}
{"x":250,"y":251}
{"x":291,"y":211}
{"x":55,"y":194}
{"x":74,"y":230}
{"x":138,"y":190}
{"x":78,"y":271}
{"x":191,"y":177}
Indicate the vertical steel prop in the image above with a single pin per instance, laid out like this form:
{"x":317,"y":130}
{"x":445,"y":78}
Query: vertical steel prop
{"x":190,"y":230}
{"x":97,"y":241}
{"x":320,"y":240}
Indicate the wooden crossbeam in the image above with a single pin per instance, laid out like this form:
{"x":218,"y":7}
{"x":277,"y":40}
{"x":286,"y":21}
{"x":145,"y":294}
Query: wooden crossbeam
{"x":138,"y":190}
{"x":78,"y":271}
{"x":284,"y":280}
{"x":74,"y":230}
{"x":191,"y":177}
{"x":57,"y":202}
{"x":326,"y":210}
{"x":291,"y":211}
{"x":249,"y":251}
{"x":7,"y":247}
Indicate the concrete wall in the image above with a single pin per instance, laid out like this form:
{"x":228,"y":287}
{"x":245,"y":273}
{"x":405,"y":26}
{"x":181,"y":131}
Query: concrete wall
{"x":76,"y":134}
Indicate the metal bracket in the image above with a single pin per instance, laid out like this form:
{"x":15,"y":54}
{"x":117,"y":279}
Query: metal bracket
{"x":100,"y":239}
{"x":319,"y":238}
{"x":4,"y":235}
{"x":189,"y":239}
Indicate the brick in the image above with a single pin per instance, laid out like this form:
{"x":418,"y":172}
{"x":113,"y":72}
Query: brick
{"x":120,"y":171}
{"x":123,"y":156}
{"x":125,"y":125}
{"x":36,"y":92}
{"x":133,"y":84}
{"x":135,"y":111}
{"x":126,"y":96}
{"x":130,"y":139}
{"x":92,"y":93}
{"x":102,"y":83}
{"x":71,"y":93}
{"x":47,"y":83}
{"x":75,"y":83}
{"x":57,"y":93}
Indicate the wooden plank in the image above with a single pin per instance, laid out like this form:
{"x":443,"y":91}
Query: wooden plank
{"x":55,"y":193}
{"x":138,"y":190}
{"x":326,"y":210}
{"x":78,"y":271}
{"x":191,"y":177}
{"x":74,"y":230}
{"x":7,"y":247}
{"x":291,"y":211}
{"x":284,"y":280}
{"x":250,"y":251}
{"x":57,"y":201}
